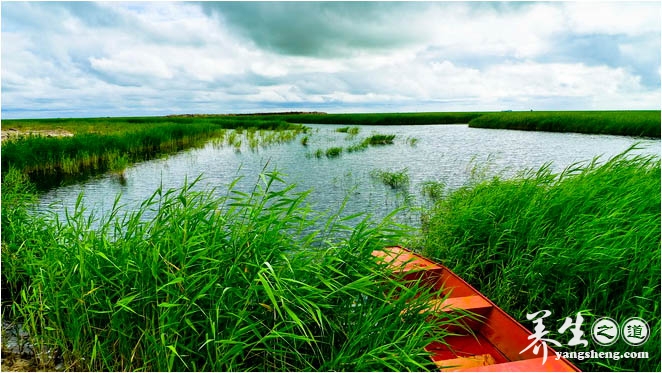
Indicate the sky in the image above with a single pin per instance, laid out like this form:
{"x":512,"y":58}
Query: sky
{"x":86,"y":59}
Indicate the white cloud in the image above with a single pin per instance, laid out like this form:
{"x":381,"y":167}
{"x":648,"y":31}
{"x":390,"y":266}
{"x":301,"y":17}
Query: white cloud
{"x":133,"y":58}
{"x":611,"y":18}
{"x":137,"y":63}
{"x":521,"y":32}
{"x":270,"y":69}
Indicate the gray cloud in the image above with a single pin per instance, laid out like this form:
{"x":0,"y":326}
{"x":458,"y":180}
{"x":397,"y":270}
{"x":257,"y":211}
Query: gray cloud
{"x":109,"y":59}
{"x":321,"y":29}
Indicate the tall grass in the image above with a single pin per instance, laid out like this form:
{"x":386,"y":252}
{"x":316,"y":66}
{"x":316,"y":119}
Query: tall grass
{"x":394,"y":179}
{"x":630,"y":123}
{"x":587,"y":239}
{"x":411,"y":141}
{"x":50,"y":160}
{"x":191,"y":282}
{"x":433,"y":190}
{"x":357,"y":147}
{"x":318,"y":153}
{"x":130,"y":124}
{"x":256,"y":139}
{"x":349,"y":130}
{"x":373,"y":140}
{"x":98,"y":143}
{"x":333,"y":152}
{"x":379,"y":139}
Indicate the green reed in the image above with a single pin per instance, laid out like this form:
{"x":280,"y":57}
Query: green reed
{"x":630,"y":123}
{"x":394,"y":179}
{"x":586,"y":239}
{"x":190,"y":281}
{"x":130,"y":124}
{"x":333,"y":152}
{"x":379,"y":118}
{"x":49,"y":161}
{"x":433,"y":190}
{"x":352,"y":131}
{"x":318,"y":153}
{"x":379,"y":139}
{"x":358,"y":147}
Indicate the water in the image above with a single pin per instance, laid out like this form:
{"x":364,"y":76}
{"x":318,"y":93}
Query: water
{"x":443,"y":153}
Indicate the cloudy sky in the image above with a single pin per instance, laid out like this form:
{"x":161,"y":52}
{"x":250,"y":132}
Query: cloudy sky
{"x":84,"y":59}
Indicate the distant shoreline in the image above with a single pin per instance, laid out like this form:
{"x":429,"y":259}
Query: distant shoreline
{"x":640,"y":123}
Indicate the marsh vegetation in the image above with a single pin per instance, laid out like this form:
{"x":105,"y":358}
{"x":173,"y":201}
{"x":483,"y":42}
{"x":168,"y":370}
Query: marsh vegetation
{"x":211,"y":284}
{"x":254,"y":277}
{"x":585,"y":239}
{"x":100,"y":145}
{"x":396,"y":179}
{"x":349,"y":130}
{"x":629,"y":123}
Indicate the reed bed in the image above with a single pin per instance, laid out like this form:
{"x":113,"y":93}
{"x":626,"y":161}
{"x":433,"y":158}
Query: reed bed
{"x":190,"y":281}
{"x":49,"y":161}
{"x":128,"y":124}
{"x":587,"y":239}
{"x":99,"y":144}
{"x":629,"y":123}
{"x":382,"y":119}
{"x":193,"y":282}
{"x":373,"y":140}
{"x":256,"y":139}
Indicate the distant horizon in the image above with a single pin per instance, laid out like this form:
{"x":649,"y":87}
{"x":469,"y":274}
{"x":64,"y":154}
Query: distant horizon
{"x":322,"y":113}
{"x":88,"y":59}
{"x":247,"y":113}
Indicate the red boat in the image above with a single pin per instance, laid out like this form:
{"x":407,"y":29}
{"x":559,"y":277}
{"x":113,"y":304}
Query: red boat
{"x":494,"y":344}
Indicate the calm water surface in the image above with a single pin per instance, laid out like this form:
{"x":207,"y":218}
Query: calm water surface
{"x":444,"y":153}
